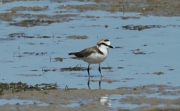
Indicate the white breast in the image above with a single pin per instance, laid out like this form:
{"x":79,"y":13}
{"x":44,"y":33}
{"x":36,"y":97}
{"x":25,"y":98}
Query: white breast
{"x":96,"y":58}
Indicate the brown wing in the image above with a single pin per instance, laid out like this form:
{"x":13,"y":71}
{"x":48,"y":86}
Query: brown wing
{"x":86,"y":52}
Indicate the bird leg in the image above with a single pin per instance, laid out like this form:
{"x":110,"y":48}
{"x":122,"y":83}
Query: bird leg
{"x":100,"y":83}
{"x":100,"y":70}
{"x":88,"y":70}
{"x":88,"y":83}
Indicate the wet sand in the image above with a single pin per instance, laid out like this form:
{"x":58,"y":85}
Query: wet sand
{"x":88,"y":99}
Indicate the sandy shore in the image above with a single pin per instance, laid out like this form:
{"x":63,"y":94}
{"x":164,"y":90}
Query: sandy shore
{"x":87,"y":99}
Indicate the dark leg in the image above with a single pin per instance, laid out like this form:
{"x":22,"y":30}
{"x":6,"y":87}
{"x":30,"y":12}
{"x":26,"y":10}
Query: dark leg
{"x":100,"y":83}
{"x":88,"y":83}
{"x":88,"y":70}
{"x":100,"y":70}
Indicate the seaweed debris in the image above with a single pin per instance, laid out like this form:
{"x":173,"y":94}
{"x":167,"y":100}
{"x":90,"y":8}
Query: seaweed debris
{"x":19,"y":87}
{"x":76,"y":68}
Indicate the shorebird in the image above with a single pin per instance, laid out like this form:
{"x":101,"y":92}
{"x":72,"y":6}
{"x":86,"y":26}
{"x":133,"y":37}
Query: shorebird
{"x":95,"y":54}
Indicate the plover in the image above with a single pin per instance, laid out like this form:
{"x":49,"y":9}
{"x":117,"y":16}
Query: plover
{"x":95,"y":54}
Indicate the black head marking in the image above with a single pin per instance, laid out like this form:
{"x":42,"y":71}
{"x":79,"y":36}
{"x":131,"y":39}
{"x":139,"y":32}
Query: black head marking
{"x":104,"y":44}
{"x":106,"y":40}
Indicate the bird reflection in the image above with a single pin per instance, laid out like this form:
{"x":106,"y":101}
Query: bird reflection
{"x":89,"y":79}
{"x":105,"y":100}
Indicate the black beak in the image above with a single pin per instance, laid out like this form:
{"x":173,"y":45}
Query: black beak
{"x":110,"y":46}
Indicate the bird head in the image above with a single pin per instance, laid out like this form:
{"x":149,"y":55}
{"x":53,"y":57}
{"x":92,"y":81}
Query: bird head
{"x":104,"y":43}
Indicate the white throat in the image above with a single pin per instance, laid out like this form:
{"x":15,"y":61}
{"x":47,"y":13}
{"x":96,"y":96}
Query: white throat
{"x":103,"y":49}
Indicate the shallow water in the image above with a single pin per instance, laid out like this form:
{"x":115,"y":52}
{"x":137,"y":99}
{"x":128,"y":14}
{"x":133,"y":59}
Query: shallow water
{"x":24,"y":56}
{"x":19,"y":102}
